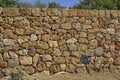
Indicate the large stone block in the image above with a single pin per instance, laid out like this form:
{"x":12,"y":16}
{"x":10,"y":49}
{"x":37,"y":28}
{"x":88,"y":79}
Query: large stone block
{"x":25,"y":60}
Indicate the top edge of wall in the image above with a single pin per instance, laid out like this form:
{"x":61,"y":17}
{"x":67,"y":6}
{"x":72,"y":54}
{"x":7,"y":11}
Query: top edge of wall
{"x":12,"y":12}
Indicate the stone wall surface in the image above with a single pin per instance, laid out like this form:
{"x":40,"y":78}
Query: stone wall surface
{"x":36,"y":40}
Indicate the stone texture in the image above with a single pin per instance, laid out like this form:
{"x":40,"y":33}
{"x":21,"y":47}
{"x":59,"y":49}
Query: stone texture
{"x":25,"y":60}
{"x":12,"y":63}
{"x":70,"y":68}
{"x":99,"y":51}
{"x":117,"y":61}
{"x":35,"y":59}
{"x":13,"y":55}
{"x":93,"y":43}
{"x":41,"y":66}
{"x":11,"y":11}
{"x":55,"y":68}
{"x":66,"y":26}
{"x":8,"y":42}
{"x":71,"y":41}
{"x":30,"y":70}
{"x":57,"y":52}
{"x":33,"y":37}
{"x":53,"y":43}
{"x":59,"y":60}
{"x":72,"y":47}
{"x":47,"y":57}
{"x":23,"y":52}
{"x":31,"y":51}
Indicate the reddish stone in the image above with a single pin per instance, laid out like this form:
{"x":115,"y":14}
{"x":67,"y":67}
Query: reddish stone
{"x":3,"y":64}
{"x":30,"y":70}
{"x":117,"y":46}
{"x":31,"y":51}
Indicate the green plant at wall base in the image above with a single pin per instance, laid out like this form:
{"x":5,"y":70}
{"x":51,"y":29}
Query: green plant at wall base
{"x":7,"y":3}
{"x":17,"y":76}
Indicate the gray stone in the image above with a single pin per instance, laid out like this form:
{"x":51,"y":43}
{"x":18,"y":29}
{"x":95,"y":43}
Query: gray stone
{"x":78,"y":26}
{"x":66,"y":25}
{"x":13,"y":55}
{"x":71,"y":41}
{"x":23,"y":52}
{"x":8,"y":42}
{"x":12,"y":63}
{"x":99,"y":51}
{"x":47,"y":57}
{"x":111,"y":30}
{"x":72,"y":47}
{"x":33,"y":37}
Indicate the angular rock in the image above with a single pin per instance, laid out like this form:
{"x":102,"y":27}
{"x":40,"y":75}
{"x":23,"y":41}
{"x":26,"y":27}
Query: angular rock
{"x":13,"y":55}
{"x":71,"y":41}
{"x":83,"y":40}
{"x":31,"y":51}
{"x":99,"y":51}
{"x":11,"y":11}
{"x":45,"y":73}
{"x":19,"y":31}
{"x":41,"y":66}
{"x":48,"y":64}
{"x":6,"y":56}
{"x":93,"y":43}
{"x":70,"y":68}
{"x":57,"y":52}
{"x":23,"y":52}
{"x":53,"y":43}
{"x":12,"y":63}
{"x":33,"y":37}
{"x":83,"y":34}
{"x":30,"y":70}
{"x":72,"y":47}
{"x":66,"y":26}
{"x":47,"y":57}
{"x":54,"y":68}
{"x":25,"y":60}
{"x":8,"y":42}
{"x":59,"y":60}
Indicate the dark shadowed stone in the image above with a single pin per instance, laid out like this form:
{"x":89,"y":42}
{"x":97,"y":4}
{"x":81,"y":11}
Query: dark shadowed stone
{"x":31,"y":51}
{"x":55,"y":68}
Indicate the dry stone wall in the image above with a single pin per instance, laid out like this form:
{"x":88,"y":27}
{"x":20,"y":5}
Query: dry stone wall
{"x":53,"y":40}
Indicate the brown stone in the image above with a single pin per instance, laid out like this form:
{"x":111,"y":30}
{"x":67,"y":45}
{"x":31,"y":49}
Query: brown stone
{"x":31,"y":51}
{"x":1,"y":29}
{"x":11,"y":11}
{"x":54,"y":68}
{"x":3,"y":64}
{"x":48,"y":64}
{"x":26,"y":11}
{"x":72,"y":12}
{"x":83,"y":13}
{"x":93,"y":13}
{"x":25,"y":60}
{"x":19,"y":31}
{"x":8,"y":33}
{"x":30,"y":70}
{"x":41,"y":66}
{"x":114,"y":13}
{"x":59,"y":60}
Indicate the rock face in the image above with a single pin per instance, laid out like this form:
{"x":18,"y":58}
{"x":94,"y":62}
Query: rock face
{"x":53,"y":40}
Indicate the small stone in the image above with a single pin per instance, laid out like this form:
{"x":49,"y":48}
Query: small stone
{"x":19,"y":31}
{"x":62,"y":67}
{"x":6,"y":56}
{"x":75,"y":54}
{"x":30,"y":70}
{"x":93,"y":43}
{"x":23,"y":52}
{"x":72,"y":47}
{"x":111,"y":30}
{"x":8,"y":42}
{"x":117,"y":61}
{"x":12,"y":63}
{"x":66,"y":26}
{"x":45,"y":73}
{"x":87,"y":26}
{"x":112,"y":47}
{"x":45,"y":37}
{"x":3,"y":64}
{"x":43,"y":45}
{"x":99,"y":51}
{"x":71,"y":41}
{"x":57,"y":52}
{"x":70,"y":68}
{"x":59,"y":60}
{"x":66,"y":54}
{"x":75,"y":61}
{"x":31,"y":51}
{"x":41,"y":66}
{"x":47,"y":57}
{"x":54,"y":68}
{"x":83,"y":34}
{"x":53,"y":43}
{"x":25,"y":60}
{"x":83,"y":40}
{"x":36,"y":12}
{"x":33,"y":37}
{"x":13,"y":55}
{"x":35,"y":59}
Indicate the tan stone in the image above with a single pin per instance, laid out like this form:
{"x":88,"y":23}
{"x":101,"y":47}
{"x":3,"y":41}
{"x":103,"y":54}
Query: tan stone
{"x":93,"y":13}
{"x":11,"y":11}
{"x":48,"y":64}
{"x":35,"y":59}
{"x":101,"y":13}
{"x":70,"y":68}
{"x":65,"y":12}
{"x":36,"y":12}
{"x":8,"y":33}
{"x":41,"y":66}
{"x":1,"y":29}
{"x":25,"y":60}
{"x":59,"y":60}
{"x":114,"y":13}
{"x":72,"y":12}
{"x":62,"y":67}
{"x":83,"y":13}
{"x":19,"y":31}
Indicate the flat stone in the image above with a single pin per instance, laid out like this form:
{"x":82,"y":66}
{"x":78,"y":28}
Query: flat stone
{"x":47,"y":57}
{"x":83,"y":40}
{"x":75,"y":54}
{"x":25,"y":60}
{"x":45,"y":73}
{"x":19,"y":31}
{"x":93,"y":43}
{"x":11,"y":11}
{"x":12,"y":63}
{"x":72,"y":47}
{"x":99,"y":51}
{"x":71,"y":41}
{"x":8,"y":42}
{"x":66,"y":54}
{"x":78,"y":26}
{"x":83,"y":34}
{"x":117,"y":61}
{"x":59,"y":60}
{"x":87,"y":27}
{"x":66,"y":26}
{"x":23,"y":52}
